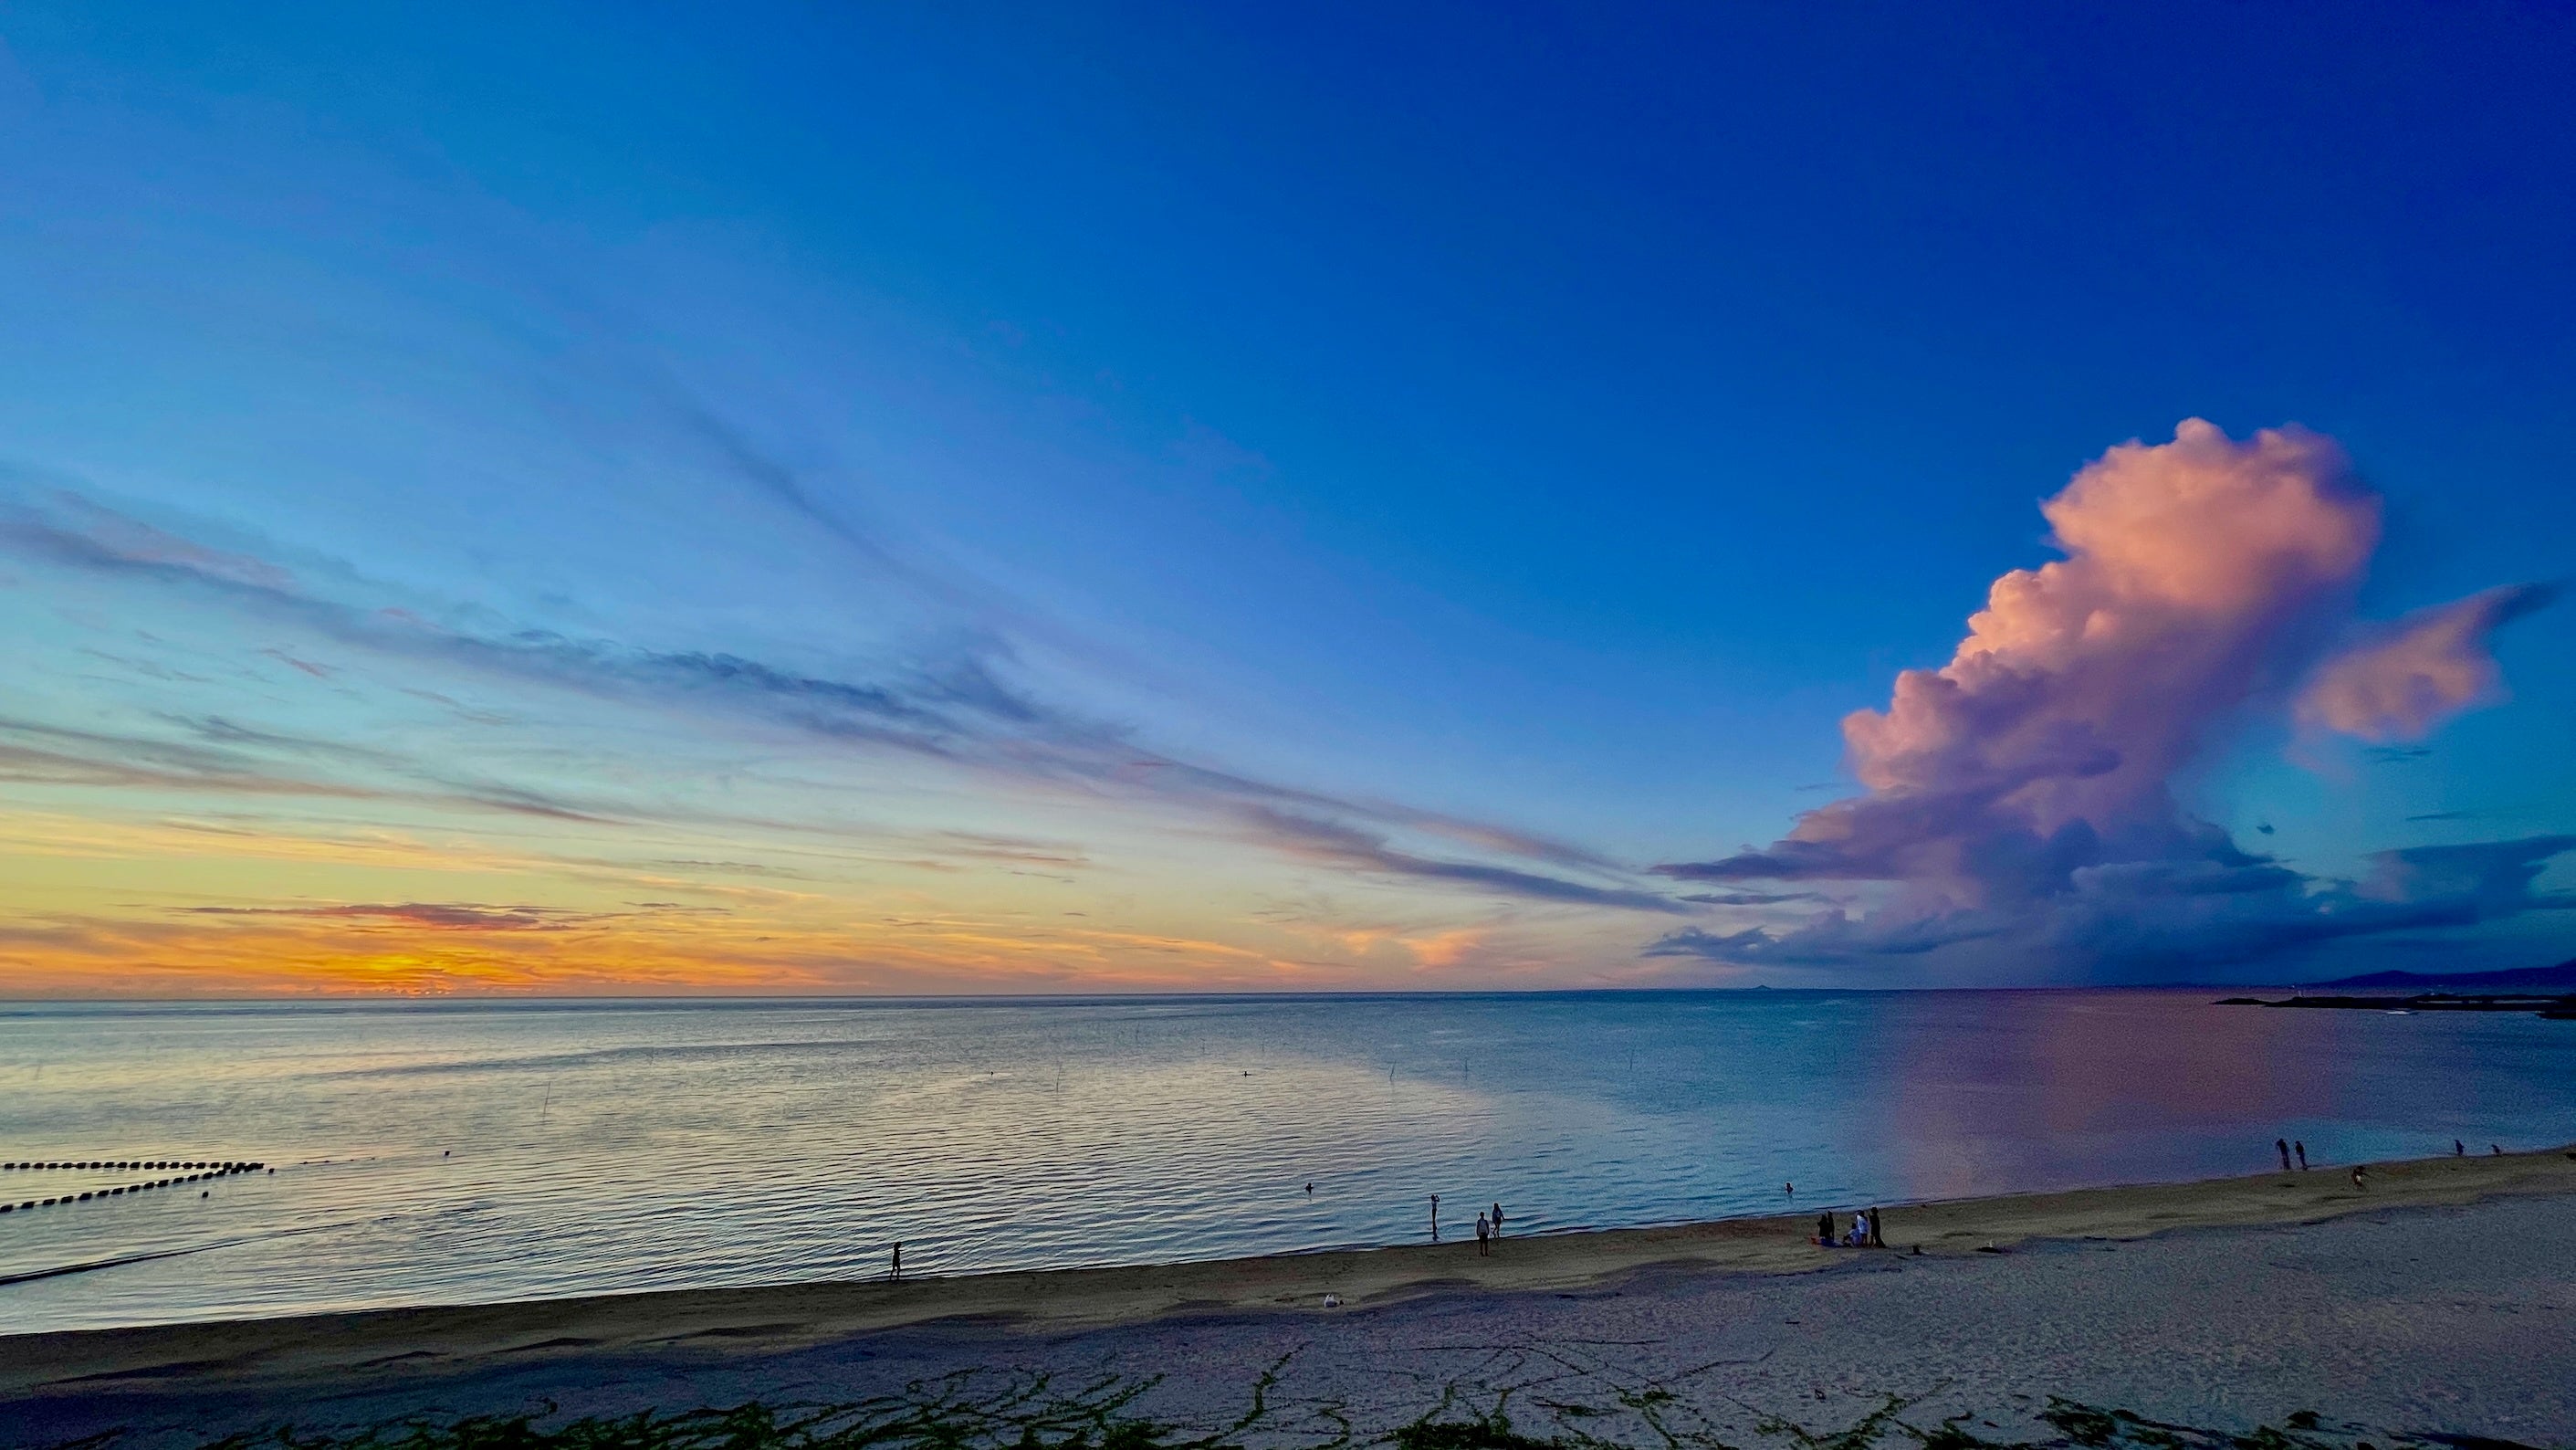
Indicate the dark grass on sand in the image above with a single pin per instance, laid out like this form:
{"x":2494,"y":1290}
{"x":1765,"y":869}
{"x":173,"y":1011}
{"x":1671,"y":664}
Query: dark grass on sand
{"x":987,"y":1410}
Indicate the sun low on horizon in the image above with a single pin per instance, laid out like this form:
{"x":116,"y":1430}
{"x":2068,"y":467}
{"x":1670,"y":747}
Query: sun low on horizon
{"x":883,"y":501}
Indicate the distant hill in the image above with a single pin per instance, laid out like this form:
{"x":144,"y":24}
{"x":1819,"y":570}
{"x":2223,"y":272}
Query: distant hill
{"x":2561,"y":977}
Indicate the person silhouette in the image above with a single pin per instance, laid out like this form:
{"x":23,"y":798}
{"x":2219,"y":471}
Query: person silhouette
{"x":1498,"y":1220}
{"x":1484,"y":1236}
{"x":2282,"y":1147}
{"x":2302,"y":1150}
{"x":1435,"y":1218}
{"x":2459,"y":1149}
{"x":898,"y":1261}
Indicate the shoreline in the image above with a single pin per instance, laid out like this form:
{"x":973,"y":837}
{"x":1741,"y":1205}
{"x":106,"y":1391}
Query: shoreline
{"x":434,"y":1340}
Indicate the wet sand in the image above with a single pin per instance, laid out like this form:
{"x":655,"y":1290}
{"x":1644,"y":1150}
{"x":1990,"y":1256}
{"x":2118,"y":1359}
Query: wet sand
{"x":2093,"y":1268}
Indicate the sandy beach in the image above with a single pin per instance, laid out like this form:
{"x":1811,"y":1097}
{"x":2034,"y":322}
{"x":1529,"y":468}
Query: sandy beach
{"x":2437,"y":1298}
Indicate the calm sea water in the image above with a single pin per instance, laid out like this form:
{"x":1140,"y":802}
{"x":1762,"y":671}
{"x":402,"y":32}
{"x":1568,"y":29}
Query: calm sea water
{"x":469,"y":1152}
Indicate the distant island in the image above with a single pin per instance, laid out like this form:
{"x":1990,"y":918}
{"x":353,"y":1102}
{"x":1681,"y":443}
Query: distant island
{"x":2543,"y":991}
{"x":2561,"y":977}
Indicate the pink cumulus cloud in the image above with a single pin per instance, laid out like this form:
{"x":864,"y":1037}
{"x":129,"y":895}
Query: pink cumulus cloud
{"x":2085,"y":683}
{"x":2419,"y":673}
{"x":2019,"y":797}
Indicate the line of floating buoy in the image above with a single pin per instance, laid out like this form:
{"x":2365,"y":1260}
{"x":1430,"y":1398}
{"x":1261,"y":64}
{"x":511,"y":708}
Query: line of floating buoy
{"x":237,"y":1166}
{"x":211,"y":1170}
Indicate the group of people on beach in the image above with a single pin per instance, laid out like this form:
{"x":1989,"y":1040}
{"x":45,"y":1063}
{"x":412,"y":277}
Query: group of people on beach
{"x":1866,"y":1231}
{"x":1489,"y":1226}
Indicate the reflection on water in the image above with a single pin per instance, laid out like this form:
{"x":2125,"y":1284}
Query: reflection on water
{"x":456,"y":1152}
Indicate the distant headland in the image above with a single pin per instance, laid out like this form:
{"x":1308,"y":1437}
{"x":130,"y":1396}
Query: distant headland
{"x":2543,"y":991}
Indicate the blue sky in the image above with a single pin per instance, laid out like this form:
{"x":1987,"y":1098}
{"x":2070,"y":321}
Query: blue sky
{"x":1551,"y":420}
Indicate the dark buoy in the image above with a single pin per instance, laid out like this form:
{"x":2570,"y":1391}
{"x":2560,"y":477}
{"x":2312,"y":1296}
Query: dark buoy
{"x":201,"y":1193}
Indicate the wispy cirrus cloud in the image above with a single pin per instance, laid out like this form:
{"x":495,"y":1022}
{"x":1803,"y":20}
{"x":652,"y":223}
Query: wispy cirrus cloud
{"x":1337,"y":844}
{"x":431,"y":915}
{"x":956,"y":704}
{"x":235,"y":760}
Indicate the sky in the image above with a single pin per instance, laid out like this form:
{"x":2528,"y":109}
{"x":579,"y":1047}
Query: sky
{"x":573,"y":499}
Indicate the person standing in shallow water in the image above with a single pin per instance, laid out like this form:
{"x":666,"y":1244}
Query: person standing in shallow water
{"x":1435,"y":1218}
{"x":2301,"y":1148}
{"x":1498,"y":1221}
{"x":2282,"y":1147}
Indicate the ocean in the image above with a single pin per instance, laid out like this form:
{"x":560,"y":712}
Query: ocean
{"x":454,"y":1152}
